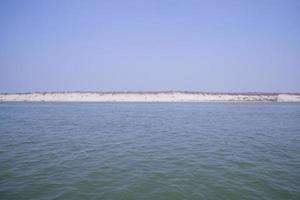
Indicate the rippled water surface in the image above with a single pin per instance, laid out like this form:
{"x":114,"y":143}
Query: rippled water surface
{"x":149,"y":151}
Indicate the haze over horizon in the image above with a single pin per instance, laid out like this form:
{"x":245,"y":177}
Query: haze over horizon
{"x":209,"y":46}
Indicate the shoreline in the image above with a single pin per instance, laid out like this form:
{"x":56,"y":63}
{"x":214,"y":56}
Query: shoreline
{"x":154,"y":96}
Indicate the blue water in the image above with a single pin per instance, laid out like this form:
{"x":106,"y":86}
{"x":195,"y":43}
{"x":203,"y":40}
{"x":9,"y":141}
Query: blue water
{"x":149,"y":151}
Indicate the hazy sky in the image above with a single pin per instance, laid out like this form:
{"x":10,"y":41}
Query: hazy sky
{"x":238,"y":45}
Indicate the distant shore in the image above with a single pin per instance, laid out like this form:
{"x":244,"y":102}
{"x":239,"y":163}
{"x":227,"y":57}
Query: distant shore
{"x":154,"y":96}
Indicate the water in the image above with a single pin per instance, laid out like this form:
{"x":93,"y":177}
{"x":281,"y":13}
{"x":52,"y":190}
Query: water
{"x":149,"y":151}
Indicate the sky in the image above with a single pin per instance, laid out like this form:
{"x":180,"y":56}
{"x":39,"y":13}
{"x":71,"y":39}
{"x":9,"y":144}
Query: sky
{"x":147,"y":45}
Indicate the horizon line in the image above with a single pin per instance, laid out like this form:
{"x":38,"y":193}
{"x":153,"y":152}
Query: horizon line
{"x":148,"y":91}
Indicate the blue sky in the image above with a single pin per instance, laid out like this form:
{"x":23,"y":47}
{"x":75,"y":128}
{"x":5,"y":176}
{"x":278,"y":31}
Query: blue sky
{"x":225,"y":46}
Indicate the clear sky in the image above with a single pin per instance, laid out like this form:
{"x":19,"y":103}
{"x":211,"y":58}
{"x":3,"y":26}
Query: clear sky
{"x":222,"y":46}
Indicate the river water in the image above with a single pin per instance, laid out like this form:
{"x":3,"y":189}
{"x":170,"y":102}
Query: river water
{"x":149,"y":151}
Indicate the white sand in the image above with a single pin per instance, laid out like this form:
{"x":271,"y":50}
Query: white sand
{"x":149,"y":97}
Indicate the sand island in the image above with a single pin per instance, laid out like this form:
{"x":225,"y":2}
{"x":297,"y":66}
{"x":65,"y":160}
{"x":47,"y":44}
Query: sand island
{"x":155,"y":96}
